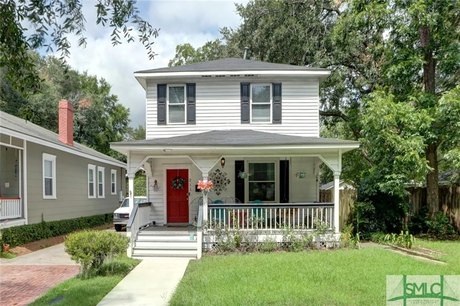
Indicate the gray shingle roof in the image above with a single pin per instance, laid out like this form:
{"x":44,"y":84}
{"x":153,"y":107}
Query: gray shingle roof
{"x":231,"y":64}
{"x":10,"y":122}
{"x":237,"y":138}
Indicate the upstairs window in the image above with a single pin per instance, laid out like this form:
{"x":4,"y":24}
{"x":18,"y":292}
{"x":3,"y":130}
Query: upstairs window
{"x":49,"y":176}
{"x":261,"y":101}
{"x":176,"y":104}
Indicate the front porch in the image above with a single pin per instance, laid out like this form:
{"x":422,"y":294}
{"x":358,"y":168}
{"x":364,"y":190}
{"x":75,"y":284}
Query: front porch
{"x":262,"y":181}
{"x":12,"y":210}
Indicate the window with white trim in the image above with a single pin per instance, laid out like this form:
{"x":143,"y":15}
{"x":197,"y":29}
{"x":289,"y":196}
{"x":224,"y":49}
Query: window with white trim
{"x":49,"y":176}
{"x":176,"y":104}
{"x":261,"y":181}
{"x":91,"y":181}
{"x":113,"y":181}
{"x":261,"y":103}
{"x":100,"y":182}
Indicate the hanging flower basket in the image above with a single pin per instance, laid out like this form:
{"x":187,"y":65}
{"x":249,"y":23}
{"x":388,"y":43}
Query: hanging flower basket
{"x":205,"y":185}
{"x":178,"y":183}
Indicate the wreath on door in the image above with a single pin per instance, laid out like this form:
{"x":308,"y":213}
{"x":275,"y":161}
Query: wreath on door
{"x":178,"y":183}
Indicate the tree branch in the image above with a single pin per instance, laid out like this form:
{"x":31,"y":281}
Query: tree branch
{"x":333,"y":113}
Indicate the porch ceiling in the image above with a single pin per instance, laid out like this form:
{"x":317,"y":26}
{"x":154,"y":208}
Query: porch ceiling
{"x":236,"y":142}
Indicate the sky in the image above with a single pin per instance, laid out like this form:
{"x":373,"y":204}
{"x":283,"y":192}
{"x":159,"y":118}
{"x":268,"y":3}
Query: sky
{"x":180,"y":21}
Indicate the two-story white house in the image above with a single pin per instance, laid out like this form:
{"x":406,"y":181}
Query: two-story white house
{"x":250,"y":127}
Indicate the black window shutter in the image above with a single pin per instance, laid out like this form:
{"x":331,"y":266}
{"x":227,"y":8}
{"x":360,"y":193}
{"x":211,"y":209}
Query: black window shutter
{"x":239,"y":182}
{"x":191,"y":103}
{"x":161,"y":104}
{"x":277,"y":103}
{"x":284,"y":181}
{"x":245,"y":87}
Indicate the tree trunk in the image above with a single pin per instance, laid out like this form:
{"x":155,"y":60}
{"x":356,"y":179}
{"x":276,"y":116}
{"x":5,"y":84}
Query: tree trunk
{"x":429,"y":70}
{"x":432,"y":189}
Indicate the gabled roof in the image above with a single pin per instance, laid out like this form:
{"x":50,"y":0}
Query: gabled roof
{"x":10,"y":124}
{"x":232,"y":64}
{"x":233,"y":138}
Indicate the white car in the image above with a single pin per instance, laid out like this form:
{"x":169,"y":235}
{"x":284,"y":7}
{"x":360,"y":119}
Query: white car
{"x":121,"y":214}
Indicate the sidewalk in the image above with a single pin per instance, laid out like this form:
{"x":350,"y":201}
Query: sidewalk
{"x":152,"y":282}
{"x":24,"y":278}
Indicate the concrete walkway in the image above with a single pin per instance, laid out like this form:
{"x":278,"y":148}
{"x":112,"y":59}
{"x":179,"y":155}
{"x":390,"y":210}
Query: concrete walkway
{"x":53,"y":255}
{"x":152,"y":282}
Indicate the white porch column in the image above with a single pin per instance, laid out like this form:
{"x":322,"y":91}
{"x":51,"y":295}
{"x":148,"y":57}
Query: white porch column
{"x":131,"y":189}
{"x":205,"y":199}
{"x":337,"y":202}
{"x":205,"y":164}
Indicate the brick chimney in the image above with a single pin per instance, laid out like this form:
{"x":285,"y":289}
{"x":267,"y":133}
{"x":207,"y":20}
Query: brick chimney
{"x":66,"y":122}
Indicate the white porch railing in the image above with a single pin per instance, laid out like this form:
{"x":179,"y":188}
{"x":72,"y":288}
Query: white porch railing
{"x":10,"y":208}
{"x":307,"y":216}
{"x":139,"y":217}
{"x":199,"y":232}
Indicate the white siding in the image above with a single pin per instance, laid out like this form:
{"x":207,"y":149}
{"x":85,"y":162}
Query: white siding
{"x":301,"y":189}
{"x":218,"y":108}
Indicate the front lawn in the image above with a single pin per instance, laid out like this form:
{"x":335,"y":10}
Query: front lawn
{"x":341,"y":277}
{"x":77,"y":291}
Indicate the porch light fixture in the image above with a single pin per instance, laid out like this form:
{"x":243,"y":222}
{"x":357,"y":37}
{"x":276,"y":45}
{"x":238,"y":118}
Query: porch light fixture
{"x":222,"y":162}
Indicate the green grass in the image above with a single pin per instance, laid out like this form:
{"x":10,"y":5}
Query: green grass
{"x":341,"y":277}
{"x":78,"y":291}
{"x":7,"y":255}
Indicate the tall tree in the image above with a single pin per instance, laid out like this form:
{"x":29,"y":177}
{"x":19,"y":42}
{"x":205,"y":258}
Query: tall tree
{"x":99,"y":117}
{"x":29,"y":25}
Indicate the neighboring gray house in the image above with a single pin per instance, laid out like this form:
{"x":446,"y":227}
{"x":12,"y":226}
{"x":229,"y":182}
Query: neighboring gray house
{"x":46,"y":176}
{"x":250,"y":127}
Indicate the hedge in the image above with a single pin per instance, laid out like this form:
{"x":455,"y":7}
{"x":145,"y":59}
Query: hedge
{"x":18,"y":235}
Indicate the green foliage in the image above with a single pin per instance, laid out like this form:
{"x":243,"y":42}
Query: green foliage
{"x":18,"y":235}
{"x":140,"y":184}
{"x":393,"y":137}
{"x":348,"y":239}
{"x":51,"y":23}
{"x":186,"y":54}
{"x":404,"y":239}
{"x":295,"y":242}
{"x":120,"y":265}
{"x":99,"y":118}
{"x":377,"y":212}
{"x":92,"y":248}
{"x":440,"y":227}
{"x":268,"y":245}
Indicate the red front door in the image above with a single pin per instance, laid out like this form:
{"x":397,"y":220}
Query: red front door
{"x":177,"y":195}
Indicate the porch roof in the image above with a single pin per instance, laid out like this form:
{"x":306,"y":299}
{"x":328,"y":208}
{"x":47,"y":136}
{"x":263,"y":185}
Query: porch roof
{"x":231,"y":140}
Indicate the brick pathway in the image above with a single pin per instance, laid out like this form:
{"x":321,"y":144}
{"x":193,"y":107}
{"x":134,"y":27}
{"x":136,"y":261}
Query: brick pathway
{"x":22,"y":284}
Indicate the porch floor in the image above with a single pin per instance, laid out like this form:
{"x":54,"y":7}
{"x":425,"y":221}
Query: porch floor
{"x":170,"y":228}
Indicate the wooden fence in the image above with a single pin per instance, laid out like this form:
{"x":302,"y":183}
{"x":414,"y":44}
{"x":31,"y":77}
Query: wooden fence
{"x":347,"y":200}
{"x":449,"y":201}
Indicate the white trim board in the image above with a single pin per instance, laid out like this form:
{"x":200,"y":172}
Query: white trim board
{"x":63,"y":148}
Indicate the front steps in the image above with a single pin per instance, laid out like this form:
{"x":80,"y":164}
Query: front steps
{"x":164,"y":242}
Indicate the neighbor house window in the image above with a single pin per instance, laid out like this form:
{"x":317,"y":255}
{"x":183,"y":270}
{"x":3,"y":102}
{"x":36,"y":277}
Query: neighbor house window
{"x":176,"y":104}
{"x":49,"y":176}
{"x":100,"y":182}
{"x":261,"y":101}
{"x":91,"y":181}
{"x":113,"y":181}
{"x":261,"y":182}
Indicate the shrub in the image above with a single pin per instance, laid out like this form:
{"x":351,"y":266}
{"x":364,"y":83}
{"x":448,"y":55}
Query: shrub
{"x":91,"y":248}
{"x":18,"y":235}
{"x":439,"y":227}
{"x":378,"y":237}
{"x":268,"y":245}
{"x":120,"y":265}
{"x":404,"y":239}
{"x":348,"y":239}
